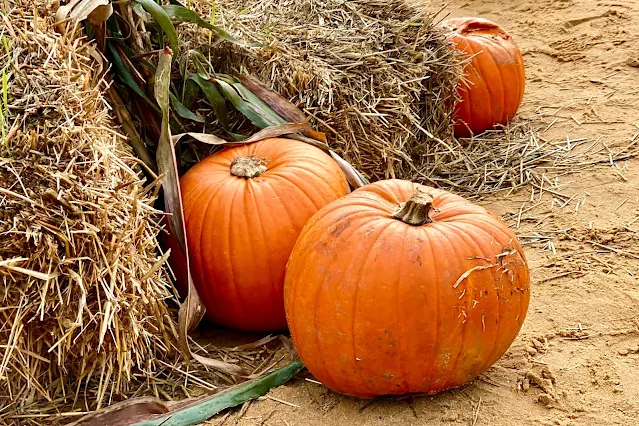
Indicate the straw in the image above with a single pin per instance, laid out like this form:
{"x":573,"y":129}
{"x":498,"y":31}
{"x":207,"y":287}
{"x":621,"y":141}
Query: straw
{"x":87,"y":313}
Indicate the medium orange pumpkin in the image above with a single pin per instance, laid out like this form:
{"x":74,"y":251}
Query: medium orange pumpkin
{"x":495,"y":76}
{"x":400,"y":288}
{"x":243,"y":210}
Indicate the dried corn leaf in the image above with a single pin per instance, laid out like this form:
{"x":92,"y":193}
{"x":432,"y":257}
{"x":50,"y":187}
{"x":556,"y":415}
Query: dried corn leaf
{"x":192,"y":310}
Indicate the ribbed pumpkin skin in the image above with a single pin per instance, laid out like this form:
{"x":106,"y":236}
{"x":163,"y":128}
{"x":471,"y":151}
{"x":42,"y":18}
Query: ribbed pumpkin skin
{"x":371,"y":302}
{"x":496,"y":75}
{"x":240,"y":232}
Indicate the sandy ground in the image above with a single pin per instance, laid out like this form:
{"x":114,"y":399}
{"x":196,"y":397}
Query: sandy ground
{"x":579,"y":347}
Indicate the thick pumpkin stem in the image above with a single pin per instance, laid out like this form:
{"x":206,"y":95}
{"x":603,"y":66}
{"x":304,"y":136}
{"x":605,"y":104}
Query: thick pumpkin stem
{"x":248,"y":167}
{"x":415,"y":211}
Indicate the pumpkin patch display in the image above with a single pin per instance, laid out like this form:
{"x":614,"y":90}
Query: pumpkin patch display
{"x":243,"y":210}
{"x":401,"y":288}
{"x":495,"y":75}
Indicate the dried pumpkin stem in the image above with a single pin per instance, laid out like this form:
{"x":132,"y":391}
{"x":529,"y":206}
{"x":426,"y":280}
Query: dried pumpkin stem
{"x":248,"y":167}
{"x":415,"y":211}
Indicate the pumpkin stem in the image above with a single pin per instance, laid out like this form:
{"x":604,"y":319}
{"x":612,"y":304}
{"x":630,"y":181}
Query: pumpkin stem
{"x":415,"y":211}
{"x":248,"y":167}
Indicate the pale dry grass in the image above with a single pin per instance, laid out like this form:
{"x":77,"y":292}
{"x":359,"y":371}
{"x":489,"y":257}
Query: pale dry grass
{"x":87,"y":312}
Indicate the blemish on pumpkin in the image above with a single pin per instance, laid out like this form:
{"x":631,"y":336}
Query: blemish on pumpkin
{"x":339,"y":228}
{"x":446,"y":358}
{"x":414,"y":255}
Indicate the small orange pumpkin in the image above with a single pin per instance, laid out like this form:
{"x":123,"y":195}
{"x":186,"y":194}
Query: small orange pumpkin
{"x":495,"y":75}
{"x":400,"y":288}
{"x":243,"y":210}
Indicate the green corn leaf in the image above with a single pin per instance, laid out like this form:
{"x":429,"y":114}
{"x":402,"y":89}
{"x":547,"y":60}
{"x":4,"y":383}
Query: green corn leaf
{"x":274,"y":100}
{"x":125,"y":75}
{"x":237,"y":137}
{"x":250,"y":97}
{"x":138,"y":9}
{"x":142,"y":61}
{"x":214,"y":97}
{"x":204,"y":67}
{"x":207,"y":408}
{"x":113,"y":26}
{"x":190,"y":91}
{"x":183,"y":111}
{"x":181,"y":14}
{"x":163,"y":20}
{"x":147,"y":411}
{"x":254,"y":111}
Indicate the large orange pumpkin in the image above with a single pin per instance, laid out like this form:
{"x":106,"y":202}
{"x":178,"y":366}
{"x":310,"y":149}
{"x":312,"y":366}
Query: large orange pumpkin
{"x":243,"y":210}
{"x":495,"y":76}
{"x":400,"y":288}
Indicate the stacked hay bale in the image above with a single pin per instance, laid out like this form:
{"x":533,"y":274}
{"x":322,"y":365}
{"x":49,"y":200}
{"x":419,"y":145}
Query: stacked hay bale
{"x":379,"y":78}
{"x":84,"y":311}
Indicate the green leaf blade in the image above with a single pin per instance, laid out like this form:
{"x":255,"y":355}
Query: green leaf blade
{"x":204,"y":410}
{"x":214,"y":97}
{"x":163,"y":20}
{"x":254,"y":111}
{"x":125,"y":75}
{"x":183,"y":111}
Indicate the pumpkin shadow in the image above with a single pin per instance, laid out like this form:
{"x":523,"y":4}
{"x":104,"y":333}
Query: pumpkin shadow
{"x":208,"y":332}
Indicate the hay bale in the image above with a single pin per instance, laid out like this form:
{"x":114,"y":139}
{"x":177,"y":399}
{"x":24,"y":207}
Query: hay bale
{"x":377,"y":77}
{"x":88,"y":316}
{"x":83,"y":309}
